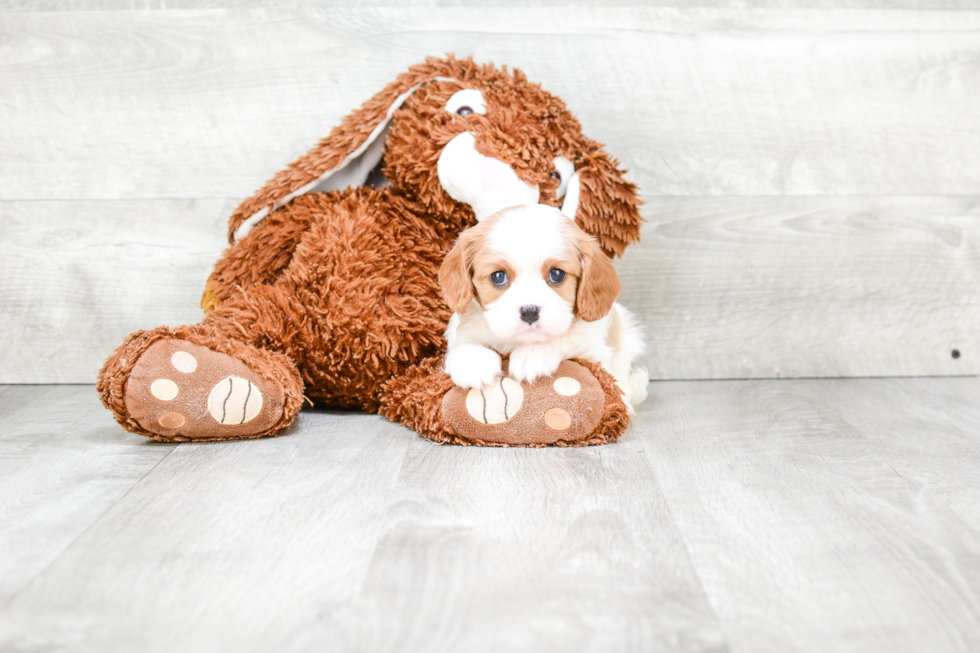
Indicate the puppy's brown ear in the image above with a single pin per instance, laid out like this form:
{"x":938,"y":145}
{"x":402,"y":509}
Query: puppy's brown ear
{"x":598,"y":286}
{"x":455,"y":277}
{"x":608,"y":205}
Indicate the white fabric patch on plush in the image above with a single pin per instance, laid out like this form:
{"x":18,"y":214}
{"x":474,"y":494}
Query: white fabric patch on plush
{"x":353,"y":171}
{"x":566,"y":169}
{"x":486,"y":184}
{"x":245,"y":227}
{"x":183,"y":362}
{"x":570,"y":206}
{"x":567,"y":386}
{"x":164,"y":389}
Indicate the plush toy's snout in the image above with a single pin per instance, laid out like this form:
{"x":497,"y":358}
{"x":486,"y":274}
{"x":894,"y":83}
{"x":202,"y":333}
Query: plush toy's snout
{"x":484,"y":183}
{"x":505,"y":158}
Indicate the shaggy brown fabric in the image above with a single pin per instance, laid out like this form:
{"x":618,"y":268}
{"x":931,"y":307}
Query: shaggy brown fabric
{"x":416,"y":399}
{"x":115,"y":375}
{"x":339,"y":289}
{"x":353,"y":308}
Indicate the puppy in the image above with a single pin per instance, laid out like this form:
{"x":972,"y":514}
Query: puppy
{"x":529,"y":282}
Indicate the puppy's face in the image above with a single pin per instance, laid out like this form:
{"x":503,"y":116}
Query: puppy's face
{"x":532,"y":271}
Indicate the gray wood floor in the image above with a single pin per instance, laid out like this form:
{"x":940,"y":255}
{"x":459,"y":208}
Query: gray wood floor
{"x":808,"y":515}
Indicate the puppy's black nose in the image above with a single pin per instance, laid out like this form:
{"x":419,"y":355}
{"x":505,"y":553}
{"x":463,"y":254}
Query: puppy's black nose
{"x":529,"y":313}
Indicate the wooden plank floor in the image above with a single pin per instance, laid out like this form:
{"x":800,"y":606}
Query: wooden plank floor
{"x":785,"y":515}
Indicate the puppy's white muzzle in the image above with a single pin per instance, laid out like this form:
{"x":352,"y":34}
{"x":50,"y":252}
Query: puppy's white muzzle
{"x":553,"y":315}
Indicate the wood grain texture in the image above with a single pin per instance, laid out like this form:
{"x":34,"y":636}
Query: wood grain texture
{"x":78,"y":277}
{"x":226,"y":546}
{"x":763,"y":516}
{"x":63,"y":464}
{"x":537,"y":550}
{"x":828,"y":514}
{"x":724,"y":287}
{"x":352,"y":534}
{"x":157,"y":5}
{"x":211,"y":103}
{"x":807,"y":287}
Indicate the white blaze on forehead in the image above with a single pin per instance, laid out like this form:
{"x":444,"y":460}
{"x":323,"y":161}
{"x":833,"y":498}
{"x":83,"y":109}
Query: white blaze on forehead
{"x":530,"y":235}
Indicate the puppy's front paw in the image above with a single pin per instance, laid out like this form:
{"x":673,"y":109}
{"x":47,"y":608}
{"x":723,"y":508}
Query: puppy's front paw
{"x":472,"y":366}
{"x":533,"y":362}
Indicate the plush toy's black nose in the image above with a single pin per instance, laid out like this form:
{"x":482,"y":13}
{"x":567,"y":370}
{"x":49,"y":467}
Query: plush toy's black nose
{"x":529,"y":313}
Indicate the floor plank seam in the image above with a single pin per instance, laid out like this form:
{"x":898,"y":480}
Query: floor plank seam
{"x":687,"y":552}
{"x":13,"y":597}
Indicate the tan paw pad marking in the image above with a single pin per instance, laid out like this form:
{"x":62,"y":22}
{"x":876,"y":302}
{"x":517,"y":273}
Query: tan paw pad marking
{"x":234,"y":400}
{"x":183,"y":362}
{"x":557,"y":419}
{"x":164,"y":389}
{"x":566,"y":386}
{"x":495,"y":404}
{"x":171,"y":420}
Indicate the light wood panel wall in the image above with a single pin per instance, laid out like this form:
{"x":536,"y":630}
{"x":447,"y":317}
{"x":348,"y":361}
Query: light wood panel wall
{"x":811,"y":175}
{"x":154,"y":5}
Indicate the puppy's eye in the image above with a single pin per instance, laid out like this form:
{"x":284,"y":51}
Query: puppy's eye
{"x":556,"y":275}
{"x":464,"y":111}
{"x":498,"y":278}
{"x":556,"y":175}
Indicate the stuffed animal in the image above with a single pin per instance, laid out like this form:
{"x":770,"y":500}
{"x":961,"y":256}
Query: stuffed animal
{"x":330,"y":287}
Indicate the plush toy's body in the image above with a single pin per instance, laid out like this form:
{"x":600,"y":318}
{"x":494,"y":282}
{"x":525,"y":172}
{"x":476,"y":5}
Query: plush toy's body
{"x":330,"y":288}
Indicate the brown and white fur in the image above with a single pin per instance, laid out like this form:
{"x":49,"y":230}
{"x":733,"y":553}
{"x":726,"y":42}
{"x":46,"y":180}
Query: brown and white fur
{"x":555,"y":300}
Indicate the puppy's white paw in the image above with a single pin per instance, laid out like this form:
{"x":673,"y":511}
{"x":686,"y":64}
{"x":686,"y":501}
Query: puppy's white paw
{"x":638,"y":382}
{"x":629,"y":407}
{"x":472,"y":366}
{"x":533,"y":362}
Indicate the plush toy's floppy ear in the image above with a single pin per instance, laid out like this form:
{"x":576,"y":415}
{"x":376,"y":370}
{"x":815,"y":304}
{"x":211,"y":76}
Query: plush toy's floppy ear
{"x":344,"y":158}
{"x":454,"y":274}
{"x":602,"y":202}
{"x":599,"y":285}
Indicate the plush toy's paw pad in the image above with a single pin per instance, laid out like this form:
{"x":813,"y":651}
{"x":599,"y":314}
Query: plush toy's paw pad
{"x":234,"y":400}
{"x":566,"y":406}
{"x":495,"y":404}
{"x":178,"y":388}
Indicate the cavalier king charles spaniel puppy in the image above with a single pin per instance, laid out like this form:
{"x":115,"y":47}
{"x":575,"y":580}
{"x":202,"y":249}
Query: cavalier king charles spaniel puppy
{"x":529,"y":282}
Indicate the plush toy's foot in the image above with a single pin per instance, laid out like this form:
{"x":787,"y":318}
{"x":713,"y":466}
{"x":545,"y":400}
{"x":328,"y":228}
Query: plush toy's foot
{"x":579,"y":405}
{"x":174,"y":389}
{"x":179,"y":388}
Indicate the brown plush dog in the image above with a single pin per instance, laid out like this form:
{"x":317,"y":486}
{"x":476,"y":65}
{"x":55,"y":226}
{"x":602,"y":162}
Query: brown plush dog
{"x":330,"y":287}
